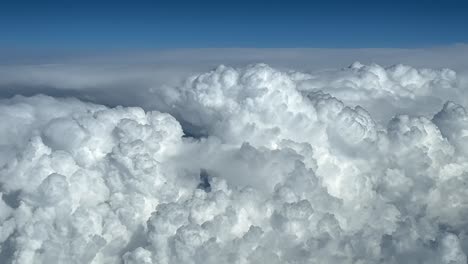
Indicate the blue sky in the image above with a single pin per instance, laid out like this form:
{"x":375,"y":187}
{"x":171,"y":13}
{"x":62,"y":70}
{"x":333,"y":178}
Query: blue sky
{"x":183,"y":24}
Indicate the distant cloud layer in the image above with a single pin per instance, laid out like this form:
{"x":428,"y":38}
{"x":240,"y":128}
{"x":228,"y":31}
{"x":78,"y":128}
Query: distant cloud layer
{"x":251,"y":164}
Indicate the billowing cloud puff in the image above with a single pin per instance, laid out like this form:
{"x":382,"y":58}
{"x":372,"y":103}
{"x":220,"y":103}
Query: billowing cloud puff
{"x":386,"y":91}
{"x":248,"y":165}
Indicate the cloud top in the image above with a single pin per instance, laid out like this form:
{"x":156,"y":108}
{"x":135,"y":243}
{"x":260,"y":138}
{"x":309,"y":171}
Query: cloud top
{"x":242,"y":165}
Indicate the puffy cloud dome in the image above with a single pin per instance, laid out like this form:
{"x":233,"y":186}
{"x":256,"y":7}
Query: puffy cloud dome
{"x":249,"y":165}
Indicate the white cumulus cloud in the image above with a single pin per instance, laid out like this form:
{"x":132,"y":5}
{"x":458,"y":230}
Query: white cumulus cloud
{"x":366,"y":164}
